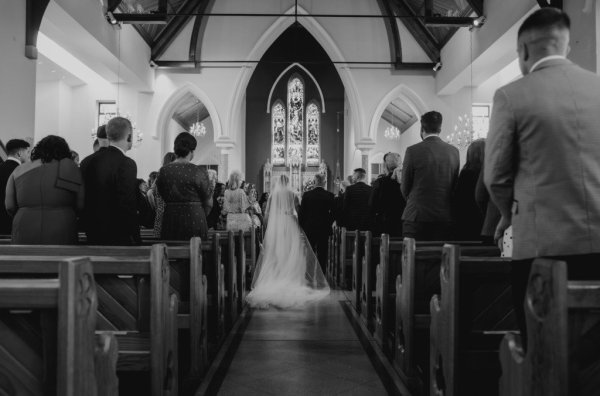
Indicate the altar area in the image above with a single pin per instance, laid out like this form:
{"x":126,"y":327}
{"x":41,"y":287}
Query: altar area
{"x":301,"y":176}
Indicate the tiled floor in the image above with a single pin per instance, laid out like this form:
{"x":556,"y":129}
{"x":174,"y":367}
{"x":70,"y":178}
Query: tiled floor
{"x":305,"y":352}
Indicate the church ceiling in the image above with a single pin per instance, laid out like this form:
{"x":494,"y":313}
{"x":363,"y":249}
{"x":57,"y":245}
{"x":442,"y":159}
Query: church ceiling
{"x":399,"y":114}
{"x":173,"y":15}
{"x":189,"y":111}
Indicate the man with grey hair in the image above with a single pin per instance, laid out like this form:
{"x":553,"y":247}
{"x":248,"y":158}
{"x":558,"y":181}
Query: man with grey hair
{"x":316,"y":217}
{"x":542,"y":162}
{"x":386,"y":203}
{"x":110,"y":177}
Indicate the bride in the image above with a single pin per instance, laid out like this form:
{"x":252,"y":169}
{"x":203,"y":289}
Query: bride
{"x":287,"y":273}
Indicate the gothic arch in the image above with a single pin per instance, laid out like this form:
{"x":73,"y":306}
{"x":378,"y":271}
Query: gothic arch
{"x":308,"y":73}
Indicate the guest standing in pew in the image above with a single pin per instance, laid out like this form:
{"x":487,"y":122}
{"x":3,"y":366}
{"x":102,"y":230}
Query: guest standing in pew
{"x":18,"y":153}
{"x":491,"y":216}
{"x":542,"y":162}
{"x":355,"y":205}
{"x":160,"y":203}
{"x":186,"y":190}
{"x":468,"y":217}
{"x":429,"y":175}
{"x":213,"y":219}
{"x":386,"y":203}
{"x":316,"y":217}
{"x":44,"y":196}
{"x":236,"y":204}
{"x":110,"y":178}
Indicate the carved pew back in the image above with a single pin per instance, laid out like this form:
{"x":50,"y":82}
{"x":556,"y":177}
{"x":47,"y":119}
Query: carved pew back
{"x":344,"y":278}
{"x":47,"y":341}
{"x":358,"y":251}
{"x":467,"y":322}
{"x":563,"y":329}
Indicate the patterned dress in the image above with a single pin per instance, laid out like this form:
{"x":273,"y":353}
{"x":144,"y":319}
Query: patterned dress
{"x":187,"y":195}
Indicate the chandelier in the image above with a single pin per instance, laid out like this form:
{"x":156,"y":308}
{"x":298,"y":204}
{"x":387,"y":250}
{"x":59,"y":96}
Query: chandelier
{"x":391,"y":132}
{"x":463,"y":134}
{"x":198,"y":129}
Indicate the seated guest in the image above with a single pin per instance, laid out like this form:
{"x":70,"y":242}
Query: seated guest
{"x":18,"y":153}
{"x":236,"y":204}
{"x":44,"y":196}
{"x":185,"y":189}
{"x":429,"y":175}
{"x":386,"y":203}
{"x":110,"y":178}
{"x":468,"y":217}
{"x":355,"y":206}
{"x":254,"y":209}
{"x":160,"y":204}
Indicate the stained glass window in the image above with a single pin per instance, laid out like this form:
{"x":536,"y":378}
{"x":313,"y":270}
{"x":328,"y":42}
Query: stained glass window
{"x":295,"y":102}
{"x":278,"y":132}
{"x":313,"y":129}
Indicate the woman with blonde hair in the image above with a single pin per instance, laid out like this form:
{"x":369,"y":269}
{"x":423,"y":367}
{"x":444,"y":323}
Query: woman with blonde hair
{"x":236,"y":204}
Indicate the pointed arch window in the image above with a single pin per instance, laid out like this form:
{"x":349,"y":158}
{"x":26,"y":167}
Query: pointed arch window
{"x":278,"y":121}
{"x":313,"y":134}
{"x":295,"y":130}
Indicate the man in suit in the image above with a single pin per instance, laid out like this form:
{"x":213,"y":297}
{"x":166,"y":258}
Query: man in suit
{"x":355,"y":206}
{"x":18,"y":152}
{"x":110,"y":211}
{"x":316,"y":217}
{"x":429,"y":176}
{"x":386,"y":203}
{"x":542,"y":162}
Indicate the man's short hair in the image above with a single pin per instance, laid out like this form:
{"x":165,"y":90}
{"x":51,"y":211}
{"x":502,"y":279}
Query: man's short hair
{"x":118,"y":128}
{"x":545,"y":18}
{"x":360,"y":173}
{"x":431,"y":122}
{"x":319,"y":179}
{"x":14,"y":145}
{"x":101,"y":132}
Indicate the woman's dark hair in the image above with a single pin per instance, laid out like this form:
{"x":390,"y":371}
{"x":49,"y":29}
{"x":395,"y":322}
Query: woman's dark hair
{"x":185,"y":143}
{"x":50,"y":148}
{"x":168,"y":158}
{"x":263,"y":198}
{"x":475,"y":155}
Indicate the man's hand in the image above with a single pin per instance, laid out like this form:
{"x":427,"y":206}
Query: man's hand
{"x":503,"y":224}
{"x":397,"y":175}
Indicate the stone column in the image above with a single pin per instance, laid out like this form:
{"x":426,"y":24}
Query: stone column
{"x":17,"y":75}
{"x":584,"y":16}
{"x":365,"y":147}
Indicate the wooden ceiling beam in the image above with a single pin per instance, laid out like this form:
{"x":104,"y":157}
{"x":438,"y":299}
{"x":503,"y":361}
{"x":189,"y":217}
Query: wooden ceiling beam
{"x":477,"y":6}
{"x":197,"y":33}
{"x":391,"y":26}
{"x":418,"y":29}
{"x":166,"y":36}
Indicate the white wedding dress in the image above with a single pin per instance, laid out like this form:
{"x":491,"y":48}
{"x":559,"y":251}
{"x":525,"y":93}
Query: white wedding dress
{"x":287,"y":273}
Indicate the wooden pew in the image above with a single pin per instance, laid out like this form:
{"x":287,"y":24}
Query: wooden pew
{"x":334,"y":264}
{"x":133,"y":301}
{"x":344,"y":278}
{"x":47,"y":341}
{"x":475,"y":310}
{"x":563,"y":330}
{"x":358,"y":251}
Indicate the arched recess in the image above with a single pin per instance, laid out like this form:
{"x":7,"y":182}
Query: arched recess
{"x":261,"y":46}
{"x":308,"y":73}
{"x":413,"y":100}
{"x":173,"y":101}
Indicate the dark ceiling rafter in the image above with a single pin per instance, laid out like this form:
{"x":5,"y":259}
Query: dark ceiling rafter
{"x":551,"y":3}
{"x":33,"y":19}
{"x":112,"y":5}
{"x":391,"y":28}
{"x":197,"y":33}
{"x":173,"y":28}
{"x":477,"y":6}
{"x":418,"y":29}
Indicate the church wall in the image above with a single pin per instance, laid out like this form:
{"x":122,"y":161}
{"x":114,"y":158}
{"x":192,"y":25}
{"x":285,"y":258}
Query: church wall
{"x":17,"y":76}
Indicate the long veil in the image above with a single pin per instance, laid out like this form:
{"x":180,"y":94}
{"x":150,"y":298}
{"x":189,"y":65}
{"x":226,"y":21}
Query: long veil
{"x":287,"y":273}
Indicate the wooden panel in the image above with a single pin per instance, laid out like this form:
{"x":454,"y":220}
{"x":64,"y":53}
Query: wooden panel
{"x":16,"y":294}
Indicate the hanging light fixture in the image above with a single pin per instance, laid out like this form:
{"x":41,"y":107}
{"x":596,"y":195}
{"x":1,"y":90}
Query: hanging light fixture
{"x":392,"y":132}
{"x":198,"y":129}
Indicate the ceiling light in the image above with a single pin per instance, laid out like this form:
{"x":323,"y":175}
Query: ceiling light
{"x":437,"y":66}
{"x":478,"y":22}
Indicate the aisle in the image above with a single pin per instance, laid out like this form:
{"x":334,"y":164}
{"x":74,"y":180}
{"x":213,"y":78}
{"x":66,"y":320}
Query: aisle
{"x":309,"y":352}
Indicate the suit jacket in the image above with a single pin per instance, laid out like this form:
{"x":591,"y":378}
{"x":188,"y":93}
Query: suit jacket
{"x":110,"y":210}
{"x":6,"y":169}
{"x":429,"y":176}
{"x":316,"y":212}
{"x":386,"y":206}
{"x":487,"y":207}
{"x":355,"y":207}
{"x":542,"y":160}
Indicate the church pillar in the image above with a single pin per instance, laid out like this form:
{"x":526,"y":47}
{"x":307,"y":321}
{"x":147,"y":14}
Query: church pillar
{"x":17,"y":74}
{"x":585,"y":38}
{"x":365,"y":147}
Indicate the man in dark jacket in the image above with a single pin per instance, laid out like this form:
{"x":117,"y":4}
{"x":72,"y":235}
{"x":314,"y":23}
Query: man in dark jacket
{"x":18,"y":153}
{"x":316,"y":217}
{"x":429,"y":176}
{"x":387,"y":203}
{"x":110,"y":178}
{"x":355,"y":207}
